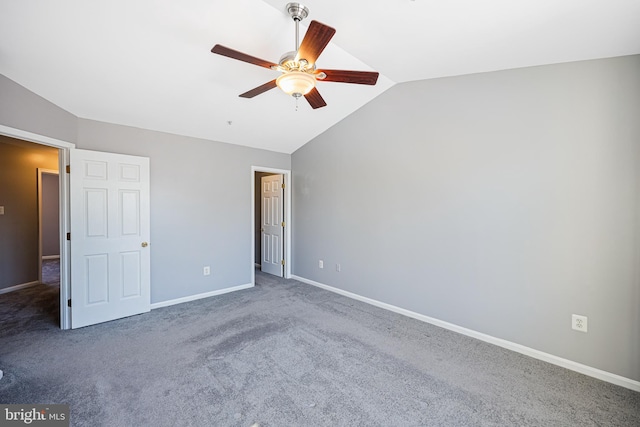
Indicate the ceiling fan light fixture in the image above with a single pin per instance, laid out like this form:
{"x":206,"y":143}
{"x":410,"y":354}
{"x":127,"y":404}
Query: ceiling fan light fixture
{"x":296,"y":83}
{"x":298,"y":67}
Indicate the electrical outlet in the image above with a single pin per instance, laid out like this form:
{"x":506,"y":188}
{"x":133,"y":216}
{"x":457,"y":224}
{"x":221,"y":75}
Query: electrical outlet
{"x":206,"y":271}
{"x":320,"y":264}
{"x":579,"y":323}
{"x":338,"y":267}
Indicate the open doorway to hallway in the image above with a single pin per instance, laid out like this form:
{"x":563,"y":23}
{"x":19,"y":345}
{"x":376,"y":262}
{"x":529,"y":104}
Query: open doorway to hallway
{"x":29,"y":284}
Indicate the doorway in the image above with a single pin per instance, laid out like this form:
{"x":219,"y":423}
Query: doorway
{"x":49,"y":226}
{"x":257,"y":173}
{"x":63,"y":148}
{"x":269,"y":228}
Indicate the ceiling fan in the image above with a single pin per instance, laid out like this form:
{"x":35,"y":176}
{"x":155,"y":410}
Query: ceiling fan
{"x":299,"y":73}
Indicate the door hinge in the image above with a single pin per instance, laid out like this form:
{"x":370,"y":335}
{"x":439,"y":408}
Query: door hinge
{"x":68,"y":168}
{"x":283,"y":185}
{"x":68,"y":236}
{"x":69,"y":302}
{"x":283,"y":223}
{"x":282,"y":262}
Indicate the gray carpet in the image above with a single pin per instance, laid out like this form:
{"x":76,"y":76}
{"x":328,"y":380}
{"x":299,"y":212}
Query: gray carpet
{"x":286,"y":354}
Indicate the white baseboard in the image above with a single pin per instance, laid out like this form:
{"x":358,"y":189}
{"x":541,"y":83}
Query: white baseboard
{"x":200,"y":296}
{"x":50,"y":257}
{"x":17,"y":287}
{"x":527,"y":351}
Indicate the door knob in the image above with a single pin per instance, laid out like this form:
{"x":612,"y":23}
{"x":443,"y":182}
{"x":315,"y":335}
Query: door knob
{"x":144,"y":244}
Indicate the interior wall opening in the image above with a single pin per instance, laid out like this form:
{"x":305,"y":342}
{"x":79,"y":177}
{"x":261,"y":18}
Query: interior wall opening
{"x":258,"y":229}
{"x":30,"y":225}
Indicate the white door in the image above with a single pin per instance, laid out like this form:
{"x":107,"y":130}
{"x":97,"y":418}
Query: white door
{"x":272,"y":225}
{"x":110,"y":262}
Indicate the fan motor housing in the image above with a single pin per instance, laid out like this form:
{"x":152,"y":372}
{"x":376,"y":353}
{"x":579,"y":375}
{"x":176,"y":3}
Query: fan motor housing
{"x":288,"y":59}
{"x":288,"y":62}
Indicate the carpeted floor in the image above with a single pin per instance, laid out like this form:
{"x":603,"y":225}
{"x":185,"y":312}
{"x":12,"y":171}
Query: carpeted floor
{"x":37,"y":306}
{"x":285,"y":354}
{"x":51,"y":272}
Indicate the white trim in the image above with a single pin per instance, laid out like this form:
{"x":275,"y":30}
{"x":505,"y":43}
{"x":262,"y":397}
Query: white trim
{"x":45,"y":257}
{"x":200,"y":296}
{"x":34,"y":137}
{"x":527,"y":351}
{"x":286,"y":173}
{"x":65,"y":220}
{"x":18,"y":287}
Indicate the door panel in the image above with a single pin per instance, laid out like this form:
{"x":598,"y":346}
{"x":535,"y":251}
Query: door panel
{"x":131,"y":285}
{"x":95,"y":212}
{"x":129,"y":213}
{"x":110,"y":266}
{"x":97,"y":274}
{"x":271,"y":225}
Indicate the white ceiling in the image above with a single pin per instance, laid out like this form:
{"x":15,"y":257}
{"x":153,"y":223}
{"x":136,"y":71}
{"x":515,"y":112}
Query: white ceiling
{"x":147,"y":63}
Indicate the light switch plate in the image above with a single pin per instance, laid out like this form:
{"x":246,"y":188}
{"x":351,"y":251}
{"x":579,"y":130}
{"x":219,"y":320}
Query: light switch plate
{"x":1,"y":210}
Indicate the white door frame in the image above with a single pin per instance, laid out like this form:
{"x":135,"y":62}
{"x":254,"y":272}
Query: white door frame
{"x":275,"y":265}
{"x":64,"y":148}
{"x":42,"y":171}
{"x":287,"y":219}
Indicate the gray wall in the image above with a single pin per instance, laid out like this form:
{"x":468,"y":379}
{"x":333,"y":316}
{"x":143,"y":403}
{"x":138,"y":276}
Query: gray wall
{"x":200,"y":192}
{"x":501,"y":202}
{"x":19,"y":163}
{"x":200,"y":205}
{"x":23,"y":109}
{"x":50,"y":214}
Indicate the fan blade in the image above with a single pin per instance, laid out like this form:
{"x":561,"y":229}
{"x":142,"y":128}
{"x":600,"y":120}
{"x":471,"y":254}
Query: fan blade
{"x":315,"y":99}
{"x":234,"y":54}
{"x":346,"y":76}
{"x":315,"y":40}
{"x":258,"y":90}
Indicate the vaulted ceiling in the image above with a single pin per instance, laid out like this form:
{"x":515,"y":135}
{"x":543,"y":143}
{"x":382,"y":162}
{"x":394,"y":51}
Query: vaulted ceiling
{"x":147,"y":63}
